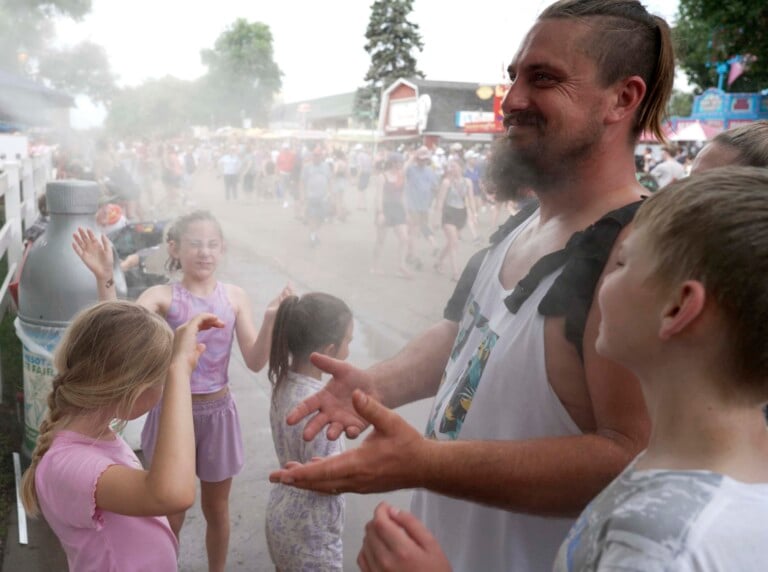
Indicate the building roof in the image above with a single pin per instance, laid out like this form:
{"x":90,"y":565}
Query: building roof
{"x":16,"y":82}
{"x":448,"y":97}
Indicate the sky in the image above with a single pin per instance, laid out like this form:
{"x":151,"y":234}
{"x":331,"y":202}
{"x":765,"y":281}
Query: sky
{"x":318,"y":44}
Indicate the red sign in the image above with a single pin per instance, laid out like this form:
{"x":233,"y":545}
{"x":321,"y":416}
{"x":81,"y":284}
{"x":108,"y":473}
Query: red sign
{"x":495,"y":126}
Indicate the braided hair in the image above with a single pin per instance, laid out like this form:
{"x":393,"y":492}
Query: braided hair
{"x":109,"y":355}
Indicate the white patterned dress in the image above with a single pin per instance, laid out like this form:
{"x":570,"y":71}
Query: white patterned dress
{"x":303,"y":528}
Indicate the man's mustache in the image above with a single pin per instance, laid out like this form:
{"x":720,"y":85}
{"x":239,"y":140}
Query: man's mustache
{"x":522,"y":118}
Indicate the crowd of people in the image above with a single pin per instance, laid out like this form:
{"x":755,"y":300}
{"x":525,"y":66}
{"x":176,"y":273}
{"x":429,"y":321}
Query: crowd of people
{"x":603,"y":358}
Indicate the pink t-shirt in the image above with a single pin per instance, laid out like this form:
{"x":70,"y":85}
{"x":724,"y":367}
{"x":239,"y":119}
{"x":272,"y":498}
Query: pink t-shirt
{"x":96,"y":540}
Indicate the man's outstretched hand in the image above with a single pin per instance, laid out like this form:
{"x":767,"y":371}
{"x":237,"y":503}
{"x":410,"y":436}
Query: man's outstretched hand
{"x":392,"y":457}
{"x":332,"y":405}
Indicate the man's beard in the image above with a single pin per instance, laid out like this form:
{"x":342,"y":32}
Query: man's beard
{"x":543,"y":166}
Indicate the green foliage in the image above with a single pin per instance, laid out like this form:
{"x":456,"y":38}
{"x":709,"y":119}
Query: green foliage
{"x":158,"y":107}
{"x":711,"y":31}
{"x":82,"y":69}
{"x":241,"y":81}
{"x":10,"y":426}
{"x":26,"y":27}
{"x":392,"y":39}
{"x":242,"y":74}
{"x":26,"y":35}
{"x":680,"y":104}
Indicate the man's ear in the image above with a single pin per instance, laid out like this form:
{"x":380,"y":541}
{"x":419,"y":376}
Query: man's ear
{"x":627,"y":96}
{"x":685,"y":305}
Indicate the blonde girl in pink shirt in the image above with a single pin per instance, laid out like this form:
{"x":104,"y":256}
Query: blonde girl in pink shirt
{"x":115,"y":361}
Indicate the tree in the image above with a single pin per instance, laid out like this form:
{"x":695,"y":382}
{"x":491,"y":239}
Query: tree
{"x":26,"y":37}
{"x":712,"y":31}
{"x":242,"y":74}
{"x":82,"y":69}
{"x":26,"y":27}
{"x":392,"y":39}
{"x":680,"y":104}
{"x":158,"y":107}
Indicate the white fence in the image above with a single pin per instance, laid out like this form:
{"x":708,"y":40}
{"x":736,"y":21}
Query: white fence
{"x":21,"y":183}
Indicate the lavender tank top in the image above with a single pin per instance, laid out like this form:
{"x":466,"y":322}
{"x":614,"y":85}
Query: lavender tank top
{"x":211,"y":372}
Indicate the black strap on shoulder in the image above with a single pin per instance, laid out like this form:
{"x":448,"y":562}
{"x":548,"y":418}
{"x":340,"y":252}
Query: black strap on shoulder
{"x":573,"y":291}
{"x":455,"y":306}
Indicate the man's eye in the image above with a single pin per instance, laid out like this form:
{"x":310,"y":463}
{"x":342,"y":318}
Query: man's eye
{"x":539,"y":77}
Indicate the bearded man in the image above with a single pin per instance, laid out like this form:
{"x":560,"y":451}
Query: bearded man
{"x":528,"y":422}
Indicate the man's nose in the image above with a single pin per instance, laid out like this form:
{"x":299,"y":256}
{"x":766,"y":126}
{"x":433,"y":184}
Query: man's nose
{"x":516,"y":97}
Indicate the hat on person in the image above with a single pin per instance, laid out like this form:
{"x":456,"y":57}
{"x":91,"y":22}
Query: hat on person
{"x":440,"y":151}
{"x":456,"y":147}
{"x":358,"y":147}
{"x":422,"y":153}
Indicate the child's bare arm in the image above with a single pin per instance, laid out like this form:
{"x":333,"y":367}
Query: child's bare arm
{"x":169,"y":485}
{"x":255,"y":345}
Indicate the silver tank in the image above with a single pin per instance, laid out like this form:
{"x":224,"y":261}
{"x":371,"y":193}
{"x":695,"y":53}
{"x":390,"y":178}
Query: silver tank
{"x":55,"y":284}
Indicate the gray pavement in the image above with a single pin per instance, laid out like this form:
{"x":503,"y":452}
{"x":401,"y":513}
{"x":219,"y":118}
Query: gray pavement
{"x":266,"y":247}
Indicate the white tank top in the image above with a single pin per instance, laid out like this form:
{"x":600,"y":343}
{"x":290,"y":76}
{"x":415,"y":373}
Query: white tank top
{"x":495,"y":387}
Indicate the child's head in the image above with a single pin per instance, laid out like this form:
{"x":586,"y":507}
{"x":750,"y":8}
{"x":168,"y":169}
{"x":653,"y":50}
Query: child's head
{"x":316,"y":322}
{"x":112,"y":362}
{"x":195,"y":244}
{"x":703,"y":240}
{"x":746,"y":146}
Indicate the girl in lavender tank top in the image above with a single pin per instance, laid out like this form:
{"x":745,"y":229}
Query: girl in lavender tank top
{"x":303,"y":527}
{"x":195,"y":246}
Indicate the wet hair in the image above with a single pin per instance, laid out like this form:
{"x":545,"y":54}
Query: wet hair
{"x":750,"y":143}
{"x":626,"y":40}
{"x":107,"y":357}
{"x":713,"y":227}
{"x":180,"y":226}
{"x":302,"y":326}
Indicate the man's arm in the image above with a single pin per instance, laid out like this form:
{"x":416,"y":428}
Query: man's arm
{"x":548,"y":476}
{"x":416,"y":371}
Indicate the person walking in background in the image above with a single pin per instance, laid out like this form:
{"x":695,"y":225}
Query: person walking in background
{"x":456,"y":205}
{"x":304,"y":529}
{"x":316,"y":194}
{"x":114,"y":362}
{"x":284,"y":165}
{"x":390,"y":213}
{"x":420,"y":186}
{"x":363,"y":165}
{"x":340,"y":184}
{"x":668,"y":170}
{"x":195,"y":247}
{"x":229,"y":167}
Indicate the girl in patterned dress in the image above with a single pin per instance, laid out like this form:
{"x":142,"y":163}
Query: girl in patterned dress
{"x":303,"y":527}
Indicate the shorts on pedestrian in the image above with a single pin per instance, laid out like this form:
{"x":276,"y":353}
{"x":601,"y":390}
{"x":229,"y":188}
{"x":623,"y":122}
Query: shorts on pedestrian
{"x":316,"y":210}
{"x":454,"y":216}
{"x":363,"y":180}
{"x":394,"y":214}
{"x":218,"y":440}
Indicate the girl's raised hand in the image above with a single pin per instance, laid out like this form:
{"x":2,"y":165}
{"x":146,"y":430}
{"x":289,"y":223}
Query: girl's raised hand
{"x":186,"y":349}
{"x":96,"y":253}
{"x":275,"y":304}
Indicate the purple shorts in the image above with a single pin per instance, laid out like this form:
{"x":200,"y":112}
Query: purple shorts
{"x":218,"y":441}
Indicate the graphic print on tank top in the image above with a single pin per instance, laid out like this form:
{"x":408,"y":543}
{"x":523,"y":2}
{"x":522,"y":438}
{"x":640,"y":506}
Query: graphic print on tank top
{"x":460,"y":397}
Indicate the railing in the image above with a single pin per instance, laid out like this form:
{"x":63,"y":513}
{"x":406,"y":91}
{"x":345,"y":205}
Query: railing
{"x":21,"y":182}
